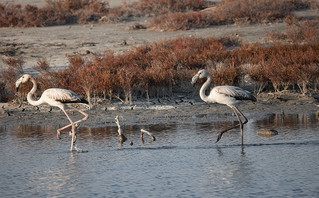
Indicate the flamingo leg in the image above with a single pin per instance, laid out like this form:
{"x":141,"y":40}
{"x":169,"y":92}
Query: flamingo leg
{"x":242,"y":115}
{"x":67,"y":126}
{"x":73,"y":130}
{"x":240,"y":124}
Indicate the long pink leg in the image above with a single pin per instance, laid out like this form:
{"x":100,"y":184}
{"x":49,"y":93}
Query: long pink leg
{"x":85,"y":118}
{"x":240,"y":124}
{"x":73,"y":129}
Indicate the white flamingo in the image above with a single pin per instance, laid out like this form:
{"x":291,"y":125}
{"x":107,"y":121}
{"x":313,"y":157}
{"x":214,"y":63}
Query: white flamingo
{"x":228,"y":95}
{"x":55,"y":97}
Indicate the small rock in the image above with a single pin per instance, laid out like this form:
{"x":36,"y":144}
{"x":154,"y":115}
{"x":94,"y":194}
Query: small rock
{"x":267,"y":132}
{"x":137,"y":26}
{"x":124,"y":42}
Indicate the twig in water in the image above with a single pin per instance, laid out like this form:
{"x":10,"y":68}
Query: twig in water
{"x":119,"y":130}
{"x":148,"y":133}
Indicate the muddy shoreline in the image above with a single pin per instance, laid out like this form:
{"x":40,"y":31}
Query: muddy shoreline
{"x":158,"y":111}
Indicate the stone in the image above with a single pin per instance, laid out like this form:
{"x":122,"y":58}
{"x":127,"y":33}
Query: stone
{"x":267,"y":132}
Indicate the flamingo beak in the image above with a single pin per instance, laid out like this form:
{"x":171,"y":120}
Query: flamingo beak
{"x":194,"y":79}
{"x":18,"y":82}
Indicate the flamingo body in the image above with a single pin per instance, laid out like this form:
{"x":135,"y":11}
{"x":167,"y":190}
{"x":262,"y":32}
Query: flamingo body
{"x":58,"y":97}
{"x":227,"y":95}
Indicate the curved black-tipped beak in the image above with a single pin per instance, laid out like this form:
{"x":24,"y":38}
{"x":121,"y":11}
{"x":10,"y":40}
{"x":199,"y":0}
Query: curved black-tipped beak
{"x":18,"y":82}
{"x":194,"y":79}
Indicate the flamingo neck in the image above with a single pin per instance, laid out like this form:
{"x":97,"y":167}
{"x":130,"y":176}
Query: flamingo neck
{"x":203,"y":89}
{"x":30,"y":94}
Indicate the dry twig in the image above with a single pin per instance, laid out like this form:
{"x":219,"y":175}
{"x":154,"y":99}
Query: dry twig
{"x":120,"y":131}
{"x":148,"y":133}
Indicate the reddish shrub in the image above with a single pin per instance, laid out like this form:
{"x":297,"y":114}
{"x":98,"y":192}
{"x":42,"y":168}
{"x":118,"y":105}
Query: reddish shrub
{"x":155,"y":69}
{"x":160,"y":7}
{"x":15,"y":63}
{"x":305,"y":31}
{"x":42,"y":66}
{"x":308,"y":76}
{"x":54,"y":13}
{"x":9,"y":75}
{"x":181,"y":21}
{"x":223,"y":74}
{"x":299,"y":32}
{"x":257,"y":73}
{"x":230,"y":11}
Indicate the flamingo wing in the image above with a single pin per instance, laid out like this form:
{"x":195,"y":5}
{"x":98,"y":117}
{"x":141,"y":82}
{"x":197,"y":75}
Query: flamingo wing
{"x":235,"y":92}
{"x":62,"y":95}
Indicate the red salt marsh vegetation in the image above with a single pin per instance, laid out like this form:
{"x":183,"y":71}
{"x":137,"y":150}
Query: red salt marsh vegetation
{"x":160,"y":68}
{"x":167,"y":14}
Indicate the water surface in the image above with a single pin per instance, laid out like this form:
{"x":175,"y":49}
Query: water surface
{"x":184,"y":161}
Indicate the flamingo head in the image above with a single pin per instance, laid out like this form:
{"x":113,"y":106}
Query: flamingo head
{"x":23,"y":79}
{"x":200,"y":74}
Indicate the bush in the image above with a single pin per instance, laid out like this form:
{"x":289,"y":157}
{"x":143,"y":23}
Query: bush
{"x":53,"y":13}
{"x":228,"y":12}
{"x":256,"y":11}
{"x":169,"y":14}
{"x":298,"y":31}
{"x":223,"y":74}
{"x":181,"y":21}
{"x":159,"y":68}
{"x":13,"y":71}
{"x":160,"y":7}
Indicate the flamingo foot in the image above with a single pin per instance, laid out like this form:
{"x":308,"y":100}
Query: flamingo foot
{"x":58,"y":134}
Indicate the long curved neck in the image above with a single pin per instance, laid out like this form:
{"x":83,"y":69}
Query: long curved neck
{"x":30,"y":94}
{"x":204,"y":88}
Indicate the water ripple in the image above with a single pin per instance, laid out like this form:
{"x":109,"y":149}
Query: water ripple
{"x":184,"y":161}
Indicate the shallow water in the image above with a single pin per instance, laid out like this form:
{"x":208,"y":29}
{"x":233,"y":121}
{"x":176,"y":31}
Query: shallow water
{"x":184,"y":161}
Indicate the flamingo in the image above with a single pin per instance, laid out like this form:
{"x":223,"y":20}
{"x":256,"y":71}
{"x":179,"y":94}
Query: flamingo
{"x":55,"y":97}
{"x":227,"y":95}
